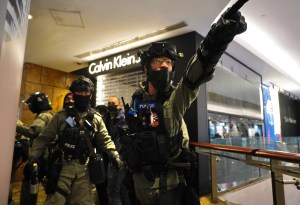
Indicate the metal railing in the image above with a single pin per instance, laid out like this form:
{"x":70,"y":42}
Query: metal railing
{"x":277,"y":162}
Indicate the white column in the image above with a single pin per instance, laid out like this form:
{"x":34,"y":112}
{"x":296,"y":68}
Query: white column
{"x":13,"y":30}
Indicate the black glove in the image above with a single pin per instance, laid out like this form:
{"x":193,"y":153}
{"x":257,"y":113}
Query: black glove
{"x":225,"y":29}
{"x":188,"y":155}
{"x":222,"y":32}
{"x":216,"y":41}
{"x":27,"y":171}
{"x":21,"y":150}
{"x":117,"y":163}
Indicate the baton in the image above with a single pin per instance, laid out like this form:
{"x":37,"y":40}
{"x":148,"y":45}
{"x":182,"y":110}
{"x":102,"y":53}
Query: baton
{"x":235,"y":7}
{"x":123,"y":102}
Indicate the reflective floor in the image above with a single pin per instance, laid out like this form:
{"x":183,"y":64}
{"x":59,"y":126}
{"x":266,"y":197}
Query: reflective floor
{"x":42,"y":196}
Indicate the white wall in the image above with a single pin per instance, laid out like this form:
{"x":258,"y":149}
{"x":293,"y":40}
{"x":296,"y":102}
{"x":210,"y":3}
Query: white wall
{"x":11,"y":67}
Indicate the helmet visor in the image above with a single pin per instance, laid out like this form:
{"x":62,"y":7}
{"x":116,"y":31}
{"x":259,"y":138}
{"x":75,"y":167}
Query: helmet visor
{"x":164,"y":49}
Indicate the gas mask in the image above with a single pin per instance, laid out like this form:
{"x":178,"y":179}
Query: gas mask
{"x":161,"y":79}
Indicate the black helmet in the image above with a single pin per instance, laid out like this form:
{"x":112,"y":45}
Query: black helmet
{"x":158,"y":49}
{"x":38,"y":102}
{"x":82,"y":84}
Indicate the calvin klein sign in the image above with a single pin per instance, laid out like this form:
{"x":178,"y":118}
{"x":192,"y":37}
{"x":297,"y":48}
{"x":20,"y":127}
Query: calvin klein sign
{"x":116,"y":62}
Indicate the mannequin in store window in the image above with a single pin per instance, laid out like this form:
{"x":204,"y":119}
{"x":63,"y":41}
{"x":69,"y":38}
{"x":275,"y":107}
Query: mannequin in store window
{"x":225,"y":133}
{"x":234,"y":132}
{"x":243,"y":129}
{"x":256,"y":135}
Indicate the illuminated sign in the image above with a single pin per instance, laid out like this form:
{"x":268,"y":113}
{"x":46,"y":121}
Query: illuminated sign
{"x":272,"y":114}
{"x":115,"y":62}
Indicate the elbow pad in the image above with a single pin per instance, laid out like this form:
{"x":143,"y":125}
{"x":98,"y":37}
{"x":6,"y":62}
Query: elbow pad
{"x":197,"y":73}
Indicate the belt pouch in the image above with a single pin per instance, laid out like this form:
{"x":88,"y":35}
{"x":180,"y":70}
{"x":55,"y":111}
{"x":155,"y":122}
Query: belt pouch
{"x":97,"y":169}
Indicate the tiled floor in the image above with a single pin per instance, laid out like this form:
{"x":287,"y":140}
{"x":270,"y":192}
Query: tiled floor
{"x":42,"y":196}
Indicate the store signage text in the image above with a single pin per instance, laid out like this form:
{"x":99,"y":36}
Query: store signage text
{"x":115,"y":63}
{"x":289,"y":120}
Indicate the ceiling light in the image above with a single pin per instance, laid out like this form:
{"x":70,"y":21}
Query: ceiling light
{"x":30,"y":16}
{"x":93,"y":54}
{"x":67,"y":18}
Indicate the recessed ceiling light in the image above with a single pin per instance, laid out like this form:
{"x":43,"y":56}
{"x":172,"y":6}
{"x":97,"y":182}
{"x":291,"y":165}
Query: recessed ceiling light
{"x":263,"y":16}
{"x":67,"y":18}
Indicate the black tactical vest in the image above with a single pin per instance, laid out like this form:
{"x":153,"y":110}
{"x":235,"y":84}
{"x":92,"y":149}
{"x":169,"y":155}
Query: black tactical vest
{"x":154,"y":146}
{"x":73,"y":138}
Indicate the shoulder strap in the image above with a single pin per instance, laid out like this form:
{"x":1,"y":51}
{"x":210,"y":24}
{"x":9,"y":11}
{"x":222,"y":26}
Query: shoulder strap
{"x":90,"y":146}
{"x":137,"y":96}
{"x":89,"y":117}
{"x":72,"y":113}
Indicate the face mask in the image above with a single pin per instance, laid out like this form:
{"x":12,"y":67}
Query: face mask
{"x":161,"y":79}
{"x":69,"y":104}
{"x":81,"y":102}
{"x":112,"y":108}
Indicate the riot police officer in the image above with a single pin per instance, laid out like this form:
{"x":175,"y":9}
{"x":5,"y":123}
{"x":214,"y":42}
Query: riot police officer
{"x":40,"y":105}
{"x":80,"y":131}
{"x":157,"y":110}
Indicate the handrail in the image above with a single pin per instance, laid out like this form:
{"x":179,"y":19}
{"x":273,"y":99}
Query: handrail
{"x":235,"y":149}
{"x":252,"y":158}
{"x":279,"y":155}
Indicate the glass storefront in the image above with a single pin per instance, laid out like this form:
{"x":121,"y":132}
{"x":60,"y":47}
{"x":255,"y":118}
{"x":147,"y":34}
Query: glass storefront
{"x":234,"y":101}
{"x":229,"y":126}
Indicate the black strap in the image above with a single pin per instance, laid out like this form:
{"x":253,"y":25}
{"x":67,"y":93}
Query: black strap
{"x":81,"y":123}
{"x":62,"y":192}
{"x":163,"y":184}
{"x":87,"y":137}
{"x":90,"y":146}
